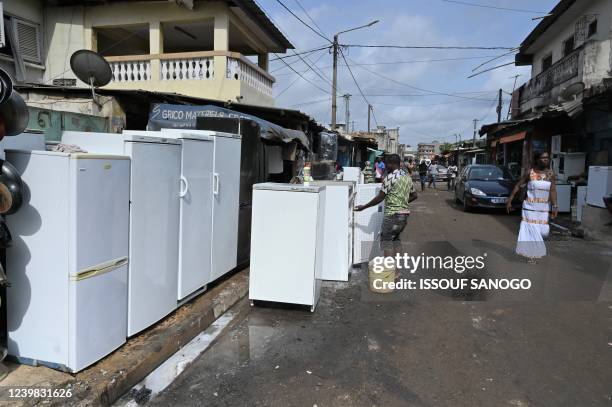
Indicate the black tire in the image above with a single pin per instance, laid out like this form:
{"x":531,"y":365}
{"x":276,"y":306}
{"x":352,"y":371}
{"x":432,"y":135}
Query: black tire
{"x":466,"y":207}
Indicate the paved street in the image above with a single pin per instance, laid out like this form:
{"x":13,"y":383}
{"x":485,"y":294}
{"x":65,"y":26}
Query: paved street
{"x":551,"y":346}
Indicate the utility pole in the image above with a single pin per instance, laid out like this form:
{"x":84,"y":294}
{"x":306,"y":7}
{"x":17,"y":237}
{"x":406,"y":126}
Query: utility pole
{"x":513,"y":89}
{"x":499,"y":106}
{"x":347,"y":117}
{"x":334,"y":82}
{"x":369,"y":110}
{"x":474,"y":139}
{"x":335,"y":46}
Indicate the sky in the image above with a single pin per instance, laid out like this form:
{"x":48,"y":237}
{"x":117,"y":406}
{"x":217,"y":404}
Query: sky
{"x":388,"y":77}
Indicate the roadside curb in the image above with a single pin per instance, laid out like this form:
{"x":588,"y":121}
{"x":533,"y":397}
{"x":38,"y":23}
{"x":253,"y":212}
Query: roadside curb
{"x":106,"y":381}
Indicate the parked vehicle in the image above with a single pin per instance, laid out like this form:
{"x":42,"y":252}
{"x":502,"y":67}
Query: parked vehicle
{"x":442,"y":173}
{"x":484,"y":186}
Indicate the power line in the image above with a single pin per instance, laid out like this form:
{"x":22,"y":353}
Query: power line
{"x":357,"y":84}
{"x":299,"y":53}
{"x":402,"y":62}
{"x":306,"y":79}
{"x":518,"y":10}
{"x":417,"y":88}
{"x":311,"y":102}
{"x":294,"y":62}
{"x":491,"y":69}
{"x":302,"y":21}
{"x":426,"y":47}
{"x":296,"y":79}
{"x":310,"y":18}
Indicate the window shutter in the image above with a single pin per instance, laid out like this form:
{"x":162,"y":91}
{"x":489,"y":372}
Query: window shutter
{"x":2,"y":36}
{"x":28,"y":40}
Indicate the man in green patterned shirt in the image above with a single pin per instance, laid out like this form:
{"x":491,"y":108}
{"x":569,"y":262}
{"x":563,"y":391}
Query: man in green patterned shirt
{"x":395,"y":192}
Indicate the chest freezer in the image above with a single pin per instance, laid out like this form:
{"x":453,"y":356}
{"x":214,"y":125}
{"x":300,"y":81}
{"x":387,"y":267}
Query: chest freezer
{"x":287,"y":243}
{"x":67,"y":304}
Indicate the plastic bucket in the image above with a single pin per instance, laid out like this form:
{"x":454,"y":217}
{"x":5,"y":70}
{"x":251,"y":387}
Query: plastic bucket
{"x":380,"y":279}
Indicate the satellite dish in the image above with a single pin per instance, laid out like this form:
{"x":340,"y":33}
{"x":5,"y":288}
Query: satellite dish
{"x":91,"y":68}
{"x":570,"y":92}
{"x":6,"y":86}
{"x":14,"y":116}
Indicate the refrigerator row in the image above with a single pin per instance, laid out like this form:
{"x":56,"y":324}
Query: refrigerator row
{"x":111,"y":241}
{"x":302,"y":235}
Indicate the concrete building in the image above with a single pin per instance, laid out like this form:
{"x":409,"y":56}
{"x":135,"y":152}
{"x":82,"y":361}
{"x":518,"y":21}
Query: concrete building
{"x":428,"y":151}
{"x":387,"y":139}
{"x":209,"y":49}
{"x":564,"y":109}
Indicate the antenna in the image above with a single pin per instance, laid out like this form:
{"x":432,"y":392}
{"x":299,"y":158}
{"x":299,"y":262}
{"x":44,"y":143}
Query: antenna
{"x":91,"y":68}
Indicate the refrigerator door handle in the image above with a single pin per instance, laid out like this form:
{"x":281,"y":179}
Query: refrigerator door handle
{"x":183,"y":192}
{"x":215,"y":184}
{"x":100,"y":269}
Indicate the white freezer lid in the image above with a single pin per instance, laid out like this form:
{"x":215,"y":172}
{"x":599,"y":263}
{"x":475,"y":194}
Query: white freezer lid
{"x":129,"y":136}
{"x":142,"y":136}
{"x":196,"y":134}
{"x":273,"y":186}
{"x":334,"y":183}
{"x":74,"y":156}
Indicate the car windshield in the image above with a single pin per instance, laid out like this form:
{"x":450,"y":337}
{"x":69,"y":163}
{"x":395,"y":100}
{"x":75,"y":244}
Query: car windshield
{"x":489,"y":174}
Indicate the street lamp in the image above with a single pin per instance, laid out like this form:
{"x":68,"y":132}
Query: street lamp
{"x":335,"y":74}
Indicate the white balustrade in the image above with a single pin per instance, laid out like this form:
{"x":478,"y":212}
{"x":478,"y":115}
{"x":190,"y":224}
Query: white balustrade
{"x":197,"y":68}
{"x":131,"y":71}
{"x":237,"y":69}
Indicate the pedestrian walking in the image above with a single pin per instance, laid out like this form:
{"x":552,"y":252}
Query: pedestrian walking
{"x":539,"y":205}
{"x":422,"y":173}
{"x":432,"y":171}
{"x":451,"y":174}
{"x":395,"y":192}
{"x":379,"y":168}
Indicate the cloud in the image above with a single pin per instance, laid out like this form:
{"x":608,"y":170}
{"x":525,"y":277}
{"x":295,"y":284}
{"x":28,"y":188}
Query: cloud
{"x":420,"y":118}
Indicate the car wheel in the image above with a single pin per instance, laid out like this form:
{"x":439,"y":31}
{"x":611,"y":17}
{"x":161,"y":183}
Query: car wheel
{"x":466,"y":207}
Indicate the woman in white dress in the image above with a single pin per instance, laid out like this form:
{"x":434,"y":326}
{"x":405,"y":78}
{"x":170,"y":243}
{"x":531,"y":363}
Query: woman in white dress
{"x":539,"y":205}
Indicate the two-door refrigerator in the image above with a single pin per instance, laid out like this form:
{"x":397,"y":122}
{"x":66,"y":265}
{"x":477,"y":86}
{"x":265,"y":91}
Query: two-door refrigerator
{"x":221,"y":240}
{"x":154,"y":220}
{"x":287,"y":243}
{"x":67,"y":304}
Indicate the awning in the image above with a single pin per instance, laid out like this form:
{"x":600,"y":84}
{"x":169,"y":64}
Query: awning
{"x":513,"y":138}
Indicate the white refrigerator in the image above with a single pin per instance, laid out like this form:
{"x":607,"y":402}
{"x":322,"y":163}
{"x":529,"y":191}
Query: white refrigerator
{"x":287,"y":243}
{"x":599,"y":185}
{"x":366,"y":224}
{"x":154,"y":220}
{"x":67,"y":304}
{"x":338,"y":229}
{"x":224,"y":197}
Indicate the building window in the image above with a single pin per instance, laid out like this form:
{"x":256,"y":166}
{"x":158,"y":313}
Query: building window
{"x":23,"y":38}
{"x":546,"y":62}
{"x":592,"y":29}
{"x":568,"y":46}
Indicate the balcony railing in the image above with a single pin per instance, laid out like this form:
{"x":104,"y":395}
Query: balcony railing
{"x":562,"y":71}
{"x":197,"y":66}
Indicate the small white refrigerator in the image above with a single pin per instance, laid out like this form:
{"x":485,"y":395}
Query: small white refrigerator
{"x":366,"y":224}
{"x":67,"y":303}
{"x":221,"y":160}
{"x":338,"y":229}
{"x":599,"y":185}
{"x":287,"y":243}
{"x":154,"y":220}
